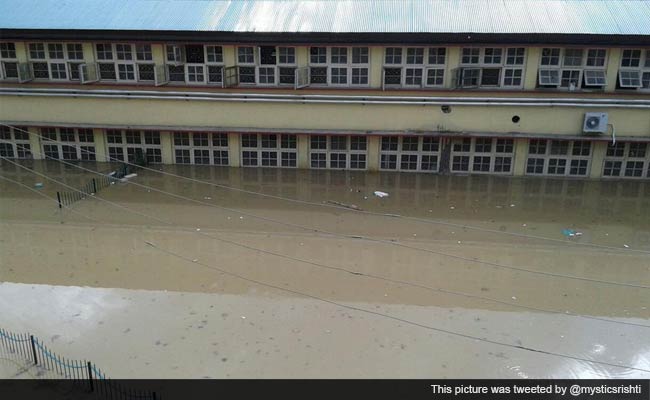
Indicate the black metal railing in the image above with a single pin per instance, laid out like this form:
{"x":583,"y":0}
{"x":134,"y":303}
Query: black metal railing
{"x":69,"y":197}
{"x":84,"y":374}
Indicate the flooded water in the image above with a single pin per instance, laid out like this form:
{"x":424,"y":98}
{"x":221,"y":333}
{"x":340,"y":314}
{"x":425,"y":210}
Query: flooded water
{"x":146,"y":275}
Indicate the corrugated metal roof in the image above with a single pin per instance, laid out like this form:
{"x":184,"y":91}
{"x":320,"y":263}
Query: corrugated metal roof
{"x":602,"y":17}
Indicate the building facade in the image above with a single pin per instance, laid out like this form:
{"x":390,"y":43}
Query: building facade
{"x":540,"y":88}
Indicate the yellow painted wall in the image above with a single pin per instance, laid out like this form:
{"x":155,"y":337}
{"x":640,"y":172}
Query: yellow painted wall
{"x":208,"y":114}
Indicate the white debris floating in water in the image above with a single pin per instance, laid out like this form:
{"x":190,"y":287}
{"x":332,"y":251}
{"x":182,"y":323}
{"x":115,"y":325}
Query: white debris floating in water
{"x":381,"y":194}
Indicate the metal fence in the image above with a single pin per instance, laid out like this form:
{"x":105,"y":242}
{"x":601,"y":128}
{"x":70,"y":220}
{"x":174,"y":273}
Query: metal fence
{"x":84,"y":374}
{"x":67,"y":198}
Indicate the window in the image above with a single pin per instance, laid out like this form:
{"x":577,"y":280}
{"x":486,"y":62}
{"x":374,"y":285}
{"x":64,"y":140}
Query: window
{"x":195,"y":64}
{"x":635,"y":70}
{"x":573,"y":68}
{"x":55,"y":61}
{"x":8,"y":61}
{"x":123,"y":62}
{"x":79,"y":143}
{"x":491,"y":67}
{"x":595,"y":78}
{"x":414,"y":67}
{"x":627,"y":160}
{"x":272,"y":150}
{"x":339,"y":66}
{"x":338,"y":152}
{"x":287,"y":55}
{"x":558,"y":157}
{"x":201,"y":148}
{"x":573,"y":57}
{"x":482,"y":155}
{"x":15,"y":142}
{"x":410,"y":153}
{"x":245,"y":55}
{"x":137,"y":146}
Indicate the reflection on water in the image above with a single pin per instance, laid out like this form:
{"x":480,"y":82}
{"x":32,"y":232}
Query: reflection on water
{"x":84,"y":256}
{"x":413,"y":193}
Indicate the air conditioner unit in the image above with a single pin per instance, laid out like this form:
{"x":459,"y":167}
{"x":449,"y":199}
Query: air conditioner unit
{"x":595,"y":123}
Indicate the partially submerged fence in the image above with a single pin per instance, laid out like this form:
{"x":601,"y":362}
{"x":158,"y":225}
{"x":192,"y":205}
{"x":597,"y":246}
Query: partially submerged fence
{"x":67,"y":198}
{"x":84,"y":374}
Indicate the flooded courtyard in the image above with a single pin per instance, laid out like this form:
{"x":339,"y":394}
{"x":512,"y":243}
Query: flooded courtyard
{"x":305,"y":273}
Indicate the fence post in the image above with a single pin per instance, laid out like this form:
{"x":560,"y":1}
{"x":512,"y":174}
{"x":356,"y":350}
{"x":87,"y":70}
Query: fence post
{"x":94,"y":186}
{"x":90,"y":376}
{"x":31,"y":339}
{"x":58,"y":198}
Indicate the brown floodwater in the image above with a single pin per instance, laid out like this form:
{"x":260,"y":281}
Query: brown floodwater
{"x":431,"y":258}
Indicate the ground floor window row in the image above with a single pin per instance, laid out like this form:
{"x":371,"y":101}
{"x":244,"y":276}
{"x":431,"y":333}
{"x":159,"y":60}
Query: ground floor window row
{"x":338,"y":152}
{"x":15,"y":142}
{"x":68,"y":143}
{"x":559,"y":157}
{"x":482,"y":155}
{"x":546,"y":157}
{"x":259,"y":150}
{"x":410,"y":153}
{"x":627,"y":160}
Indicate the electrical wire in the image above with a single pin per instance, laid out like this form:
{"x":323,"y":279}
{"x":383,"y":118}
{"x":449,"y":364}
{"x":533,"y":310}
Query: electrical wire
{"x":339,"y":207}
{"x":384,"y":315}
{"x":348,"y":236}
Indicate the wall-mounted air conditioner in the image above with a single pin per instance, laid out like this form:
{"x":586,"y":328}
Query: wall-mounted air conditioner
{"x":595,"y":123}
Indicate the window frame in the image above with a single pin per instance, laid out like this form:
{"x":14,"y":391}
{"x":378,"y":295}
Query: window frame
{"x":643,"y":71}
{"x":472,"y":154}
{"x":583,"y":69}
{"x":214,"y":145}
{"x":625,"y":159}
{"x":424,"y":67}
{"x":279,"y":150}
{"x":124,"y":146}
{"x":6,"y":60}
{"x":504,"y":63}
{"x":569,"y":157}
{"x":400,"y":152}
{"x":329,"y":151}
{"x":68,"y":61}
{"x":348,"y":66}
{"x":82,"y":147}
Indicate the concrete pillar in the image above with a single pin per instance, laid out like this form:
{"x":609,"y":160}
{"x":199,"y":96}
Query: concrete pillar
{"x":376,"y":60}
{"x":167,"y":147}
{"x":158,"y":53}
{"x":89,"y":52}
{"x":533,"y":55}
{"x":598,"y":153}
{"x":453,"y":61}
{"x":374,"y":143}
{"x":21,"y":52}
{"x":614,"y":55}
{"x":35,"y":141}
{"x":302,"y":56}
{"x":234,"y":149}
{"x":303,"y":151}
{"x":521,"y":153}
{"x":101,"y":149}
{"x":229,"y":56}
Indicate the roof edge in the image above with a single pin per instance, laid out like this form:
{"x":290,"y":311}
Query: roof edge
{"x":325,"y":37}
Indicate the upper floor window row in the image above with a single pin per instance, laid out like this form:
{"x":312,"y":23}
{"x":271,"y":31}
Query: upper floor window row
{"x":634,"y":72}
{"x":339,"y":66}
{"x":491,"y":67}
{"x":414,"y":67}
{"x":8,"y":61}
{"x":55,"y":61}
{"x":573,"y":68}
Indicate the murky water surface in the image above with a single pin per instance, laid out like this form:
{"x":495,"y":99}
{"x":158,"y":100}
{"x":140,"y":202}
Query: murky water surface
{"x":435,"y":269}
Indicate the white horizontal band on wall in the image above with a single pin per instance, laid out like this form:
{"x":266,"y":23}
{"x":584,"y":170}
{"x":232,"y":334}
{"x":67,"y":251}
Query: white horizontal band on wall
{"x":352,"y":132}
{"x":332,"y":99}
